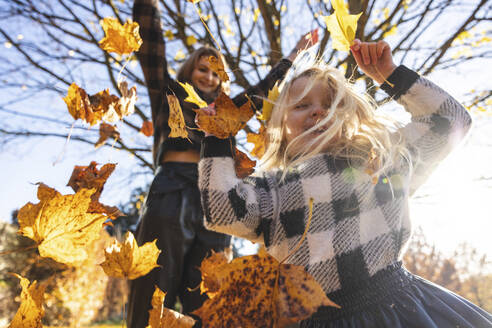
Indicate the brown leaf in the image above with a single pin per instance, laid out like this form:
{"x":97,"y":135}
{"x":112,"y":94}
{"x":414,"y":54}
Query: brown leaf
{"x":217,"y":66}
{"x":228,"y":120}
{"x":60,"y":224}
{"x":31,"y":309}
{"x":128,"y":260}
{"x":106,"y":131}
{"x":147,"y":128}
{"x":79,"y":105}
{"x":242,"y":164}
{"x":176,"y":119}
{"x":161,"y":317}
{"x":122,"y":39}
{"x":257,"y":290}
{"x":259,"y":140}
{"x":208,"y":268}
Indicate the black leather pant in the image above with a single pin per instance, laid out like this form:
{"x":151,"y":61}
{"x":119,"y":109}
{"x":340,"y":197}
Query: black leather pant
{"x":172,"y":214}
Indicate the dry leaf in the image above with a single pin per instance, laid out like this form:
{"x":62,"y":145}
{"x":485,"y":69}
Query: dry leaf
{"x":176,"y":119}
{"x":60,"y":224}
{"x":90,"y":177}
{"x":79,"y":105}
{"x":228,"y":119}
{"x":123,"y":106}
{"x":242,"y":164}
{"x":257,"y":290}
{"x":268,"y":103}
{"x":128,"y":260}
{"x":31,"y":309}
{"x":259,"y":140}
{"x":106,"y":131}
{"x":161,"y":317}
{"x":208,"y":268}
{"x":193,"y":97}
{"x":122,"y":39}
{"x":341,"y":25}
{"x":147,"y":128}
{"x":217,"y":66}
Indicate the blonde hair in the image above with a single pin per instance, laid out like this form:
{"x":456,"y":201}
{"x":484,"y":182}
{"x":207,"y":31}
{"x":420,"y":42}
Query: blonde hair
{"x":355,"y":130}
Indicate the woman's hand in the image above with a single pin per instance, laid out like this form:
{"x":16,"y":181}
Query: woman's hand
{"x":210,"y":110}
{"x":374,"y":59}
{"x":306,"y":41}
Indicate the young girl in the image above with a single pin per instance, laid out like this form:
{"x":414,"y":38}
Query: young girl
{"x":328,"y":143}
{"x":172,"y":213}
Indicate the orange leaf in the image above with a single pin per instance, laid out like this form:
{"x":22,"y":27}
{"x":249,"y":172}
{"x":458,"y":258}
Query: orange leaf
{"x":176,"y":119}
{"x":106,"y":131}
{"x":147,"y":128}
{"x":259,"y":140}
{"x":208,"y":268}
{"x":217,"y":65}
{"x":228,"y":120}
{"x":79,"y":105}
{"x":60,"y":224}
{"x":122,"y":39}
{"x":161,"y":317}
{"x":258,"y":291}
{"x":242,"y":164}
{"x":128,"y":260}
{"x":31,"y":309}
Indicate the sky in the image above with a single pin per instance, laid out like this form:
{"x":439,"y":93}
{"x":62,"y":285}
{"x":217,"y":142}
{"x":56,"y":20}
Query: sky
{"x":454,"y":206}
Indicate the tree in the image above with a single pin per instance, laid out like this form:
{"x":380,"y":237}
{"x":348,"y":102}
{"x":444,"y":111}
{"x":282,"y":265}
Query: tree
{"x":52,"y":43}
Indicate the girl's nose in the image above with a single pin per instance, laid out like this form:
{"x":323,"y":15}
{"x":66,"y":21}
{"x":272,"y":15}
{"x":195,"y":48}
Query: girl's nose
{"x":318,"y":111}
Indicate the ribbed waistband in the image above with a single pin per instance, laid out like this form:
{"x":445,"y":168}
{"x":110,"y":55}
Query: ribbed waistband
{"x":370,"y":292}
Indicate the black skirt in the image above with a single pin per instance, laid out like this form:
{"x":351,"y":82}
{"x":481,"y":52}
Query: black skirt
{"x":397,"y":298}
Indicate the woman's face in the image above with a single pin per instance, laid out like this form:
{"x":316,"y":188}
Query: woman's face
{"x":309,"y":110}
{"x":203,"y":77}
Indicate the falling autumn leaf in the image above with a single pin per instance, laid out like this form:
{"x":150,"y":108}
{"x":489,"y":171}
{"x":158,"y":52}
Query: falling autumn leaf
{"x":106,"y":131}
{"x":228,"y":120}
{"x":176,"y":119}
{"x":79,"y":105}
{"x":341,"y":25}
{"x":208,"y":269}
{"x":122,"y":39}
{"x":257,"y":290}
{"x":128,"y":260}
{"x":147,"y":128}
{"x":60,"y":224}
{"x":161,"y":317}
{"x":89,"y":177}
{"x":193,"y":97}
{"x":123,"y":106}
{"x":242,"y":164}
{"x":259,"y":140}
{"x":268,"y":103}
{"x":217,"y":65}
{"x":31,"y":309}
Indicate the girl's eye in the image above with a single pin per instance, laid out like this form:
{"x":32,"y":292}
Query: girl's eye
{"x":301,"y":106}
{"x":204,"y":70}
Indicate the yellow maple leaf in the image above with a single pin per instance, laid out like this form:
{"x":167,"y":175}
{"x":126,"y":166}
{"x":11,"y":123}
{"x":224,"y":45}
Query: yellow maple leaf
{"x":208,"y":268}
{"x":268,"y":103}
{"x":79,"y":105}
{"x":122,"y":39}
{"x":128,"y":260}
{"x":341,"y":25}
{"x":190,"y":40}
{"x":259,"y":140}
{"x":217,"y":66}
{"x":193,"y":97}
{"x":160,"y":317}
{"x":258,"y":291}
{"x":60,"y":224}
{"x":176,"y":119}
{"x":228,"y":120}
{"x":31,"y":309}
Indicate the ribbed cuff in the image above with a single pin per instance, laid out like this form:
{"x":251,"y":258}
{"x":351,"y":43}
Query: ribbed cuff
{"x":215,"y":147}
{"x":402,"y":78}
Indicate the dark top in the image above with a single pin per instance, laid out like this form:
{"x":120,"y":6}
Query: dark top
{"x":159,"y":83}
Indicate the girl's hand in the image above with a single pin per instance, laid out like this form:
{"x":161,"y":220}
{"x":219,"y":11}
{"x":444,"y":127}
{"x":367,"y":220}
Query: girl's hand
{"x":306,"y":41}
{"x":210,"y":110}
{"x":374,"y":59}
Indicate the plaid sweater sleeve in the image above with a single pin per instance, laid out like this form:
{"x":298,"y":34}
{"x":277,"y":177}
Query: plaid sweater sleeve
{"x":438,"y":123}
{"x":240,"y":207}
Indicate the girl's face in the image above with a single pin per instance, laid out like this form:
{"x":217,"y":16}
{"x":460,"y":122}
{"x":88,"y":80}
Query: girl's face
{"x":203,"y":77}
{"x":308,"y":111}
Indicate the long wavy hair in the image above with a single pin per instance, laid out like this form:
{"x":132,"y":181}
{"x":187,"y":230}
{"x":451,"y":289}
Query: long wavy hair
{"x":355,"y":130}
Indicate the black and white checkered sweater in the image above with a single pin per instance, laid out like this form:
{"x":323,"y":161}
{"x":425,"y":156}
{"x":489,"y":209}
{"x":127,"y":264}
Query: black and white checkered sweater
{"x":357,"y":227}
